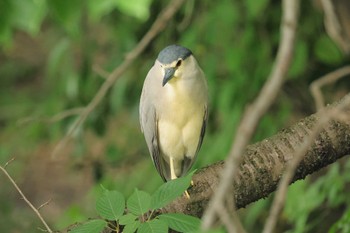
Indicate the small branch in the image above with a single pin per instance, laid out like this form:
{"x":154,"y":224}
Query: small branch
{"x":158,"y":25}
{"x":327,"y":79}
{"x":333,"y":24}
{"x":44,"y":204}
{"x":254,"y":112}
{"x":101,"y":72}
{"x":36,"y":211}
{"x":8,"y":162}
{"x":58,"y":117}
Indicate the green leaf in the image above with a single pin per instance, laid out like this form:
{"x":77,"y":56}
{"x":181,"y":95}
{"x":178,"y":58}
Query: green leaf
{"x":67,"y":13}
{"x":343,"y":224}
{"x":136,"y":8}
{"x":153,"y":226}
{"x":256,"y":8}
{"x":127,"y":219}
{"x":139,"y":202}
{"x":6,"y":18}
{"x":300,"y":60}
{"x":93,"y":226}
{"x":181,"y":222}
{"x":29,"y":14}
{"x":98,"y":9}
{"x":131,"y":227}
{"x":326,"y":51}
{"x":169,"y":191}
{"x":111,"y":205}
{"x":57,"y":55}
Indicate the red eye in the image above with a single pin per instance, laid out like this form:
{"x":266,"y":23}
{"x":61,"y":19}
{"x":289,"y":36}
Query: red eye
{"x":178,"y":63}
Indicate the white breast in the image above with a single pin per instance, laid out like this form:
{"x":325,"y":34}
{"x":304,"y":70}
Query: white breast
{"x":180,"y":122}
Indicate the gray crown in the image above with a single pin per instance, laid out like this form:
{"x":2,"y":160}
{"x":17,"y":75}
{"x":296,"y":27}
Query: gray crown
{"x":172,"y":53}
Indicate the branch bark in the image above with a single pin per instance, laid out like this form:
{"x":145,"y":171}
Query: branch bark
{"x":265,"y":162}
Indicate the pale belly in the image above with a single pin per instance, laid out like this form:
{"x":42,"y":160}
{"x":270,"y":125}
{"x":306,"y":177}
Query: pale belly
{"x":179,"y":131}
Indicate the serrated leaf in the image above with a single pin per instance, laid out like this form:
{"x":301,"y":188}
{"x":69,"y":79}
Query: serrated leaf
{"x":131,"y":227}
{"x":127,"y":219}
{"x":139,"y":202}
{"x":153,"y":226}
{"x":181,"y":222}
{"x":170,"y":191}
{"x":111,"y":205}
{"x":93,"y":226}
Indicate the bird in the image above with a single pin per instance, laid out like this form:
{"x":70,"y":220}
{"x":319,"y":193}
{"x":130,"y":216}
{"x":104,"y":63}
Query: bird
{"x":173,"y":111}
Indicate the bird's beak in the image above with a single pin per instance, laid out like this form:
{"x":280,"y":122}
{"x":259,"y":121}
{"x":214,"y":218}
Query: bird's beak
{"x":169,"y":74}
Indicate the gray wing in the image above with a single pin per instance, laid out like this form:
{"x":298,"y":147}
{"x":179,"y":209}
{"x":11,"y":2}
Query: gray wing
{"x":187,"y":163}
{"x":149,"y":120}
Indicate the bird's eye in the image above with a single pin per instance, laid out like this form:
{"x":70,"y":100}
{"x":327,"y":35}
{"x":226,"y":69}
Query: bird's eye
{"x":178,"y":63}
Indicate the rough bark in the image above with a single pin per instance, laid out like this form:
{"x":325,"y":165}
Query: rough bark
{"x":264,"y":163}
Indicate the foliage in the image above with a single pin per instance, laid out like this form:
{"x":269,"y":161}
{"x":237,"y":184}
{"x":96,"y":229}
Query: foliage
{"x":140,"y":208}
{"x":49,"y":52}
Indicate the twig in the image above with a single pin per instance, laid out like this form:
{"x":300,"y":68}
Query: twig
{"x":230,"y":220}
{"x":253,"y":113}
{"x":329,"y":78}
{"x":8,"y":162}
{"x":281,"y":192}
{"x":98,"y":70}
{"x":333,"y":25}
{"x":44,"y":204}
{"x":226,"y":219}
{"x":36,"y":211}
{"x":58,"y":117}
{"x":159,"y":24}
{"x":188,"y":15}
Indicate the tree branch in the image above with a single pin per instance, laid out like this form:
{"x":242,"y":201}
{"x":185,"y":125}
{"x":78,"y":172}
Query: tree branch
{"x":280,"y":197}
{"x":265,"y":162}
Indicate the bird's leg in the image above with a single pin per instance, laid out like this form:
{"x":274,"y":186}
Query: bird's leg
{"x":187,"y":195}
{"x":173,"y":176}
{"x":172,"y":169}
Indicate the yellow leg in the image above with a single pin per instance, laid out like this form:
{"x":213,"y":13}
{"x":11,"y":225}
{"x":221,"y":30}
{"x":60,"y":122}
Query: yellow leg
{"x":172,"y":169}
{"x":173,"y":176}
{"x":187,"y":195}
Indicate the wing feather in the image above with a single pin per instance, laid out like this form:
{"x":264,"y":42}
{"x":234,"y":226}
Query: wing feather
{"x":149,"y":124}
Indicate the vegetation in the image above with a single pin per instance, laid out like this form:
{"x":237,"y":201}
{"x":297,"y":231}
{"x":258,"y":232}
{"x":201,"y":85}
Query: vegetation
{"x":56,"y":54}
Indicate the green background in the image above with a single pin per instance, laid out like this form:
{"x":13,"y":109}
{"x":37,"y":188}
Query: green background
{"x":52,"y":57}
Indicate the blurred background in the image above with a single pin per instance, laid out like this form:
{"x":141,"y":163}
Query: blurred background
{"x":54,"y":56}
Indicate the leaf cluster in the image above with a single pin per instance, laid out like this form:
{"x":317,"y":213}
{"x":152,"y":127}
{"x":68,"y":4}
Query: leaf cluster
{"x":137,"y":213}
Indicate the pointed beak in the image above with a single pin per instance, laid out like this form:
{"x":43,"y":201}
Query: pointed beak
{"x":169,"y":74}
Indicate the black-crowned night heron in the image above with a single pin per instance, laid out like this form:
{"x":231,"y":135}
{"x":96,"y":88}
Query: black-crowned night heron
{"x":174,"y":111}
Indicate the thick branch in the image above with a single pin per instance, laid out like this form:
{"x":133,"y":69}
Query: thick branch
{"x":264,"y":163}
